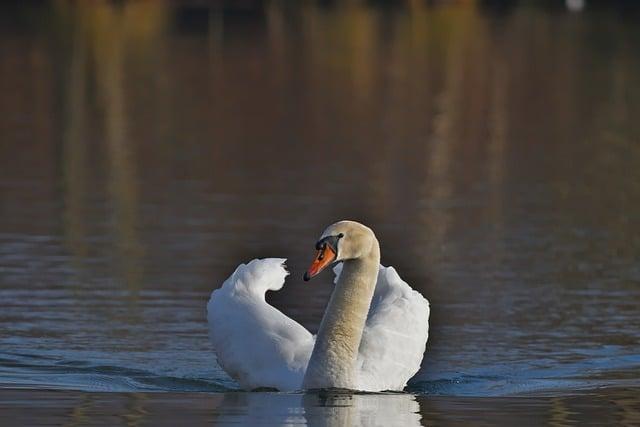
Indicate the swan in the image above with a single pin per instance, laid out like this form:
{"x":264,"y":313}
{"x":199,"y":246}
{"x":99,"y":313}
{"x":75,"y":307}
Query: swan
{"x":372,"y":336}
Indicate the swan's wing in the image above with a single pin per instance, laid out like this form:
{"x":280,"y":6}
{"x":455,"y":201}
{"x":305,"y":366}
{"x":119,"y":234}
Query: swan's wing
{"x":395,"y":334}
{"x":256,"y":344}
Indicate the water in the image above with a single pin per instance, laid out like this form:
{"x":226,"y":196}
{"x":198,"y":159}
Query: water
{"x":147,"y":148}
{"x":614,"y":407}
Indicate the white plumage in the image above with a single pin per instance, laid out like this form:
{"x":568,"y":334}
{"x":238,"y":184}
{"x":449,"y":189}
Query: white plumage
{"x":259,"y":346}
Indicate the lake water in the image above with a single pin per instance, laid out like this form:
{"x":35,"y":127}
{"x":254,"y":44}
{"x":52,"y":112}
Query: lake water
{"x":148,"y":148}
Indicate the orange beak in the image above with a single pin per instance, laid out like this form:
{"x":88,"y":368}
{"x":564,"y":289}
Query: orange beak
{"x":326,"y":255}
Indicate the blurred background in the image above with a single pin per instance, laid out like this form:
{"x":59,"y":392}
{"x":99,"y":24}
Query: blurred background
{"x":148,"y":148}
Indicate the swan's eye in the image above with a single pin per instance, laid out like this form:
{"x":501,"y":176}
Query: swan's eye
{"x":331,"y":241}
{"x":321,"y":254}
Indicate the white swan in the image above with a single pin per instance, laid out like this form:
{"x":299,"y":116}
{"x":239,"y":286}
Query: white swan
{"x":371,"y":338}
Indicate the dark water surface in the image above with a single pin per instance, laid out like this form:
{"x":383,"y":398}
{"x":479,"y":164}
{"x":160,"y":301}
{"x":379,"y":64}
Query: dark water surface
{"x":147,"y":148}
{"x":595,"y":408}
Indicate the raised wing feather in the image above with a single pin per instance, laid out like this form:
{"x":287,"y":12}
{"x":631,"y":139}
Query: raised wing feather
{"x":255,"y":343}
{"x":395,"y":334}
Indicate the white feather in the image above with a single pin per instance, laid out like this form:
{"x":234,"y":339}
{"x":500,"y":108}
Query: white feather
{"x":256,"y":344}
{"x":395,"y":334}
{"x":259,"y":346}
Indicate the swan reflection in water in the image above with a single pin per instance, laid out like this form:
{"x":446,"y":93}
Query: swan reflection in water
{"x":324,"y":408}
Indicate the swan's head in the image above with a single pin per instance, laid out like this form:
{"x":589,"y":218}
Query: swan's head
{"x":341,"y":241}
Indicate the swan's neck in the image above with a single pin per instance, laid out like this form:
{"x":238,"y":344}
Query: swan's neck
{"x":334,"y":356}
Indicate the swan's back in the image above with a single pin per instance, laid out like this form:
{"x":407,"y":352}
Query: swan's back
{"x":255,"y":343}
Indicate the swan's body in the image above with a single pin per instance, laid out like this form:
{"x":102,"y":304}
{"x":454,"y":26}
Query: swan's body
{"x":372,"y":336}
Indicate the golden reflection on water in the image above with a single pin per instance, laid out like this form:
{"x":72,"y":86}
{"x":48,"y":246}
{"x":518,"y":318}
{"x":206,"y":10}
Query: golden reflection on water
{"x":405,"y":110}
{"x":78,"y":416}
{"x":560,"y":414}
{"x":99,"y":36}
{"x":75,"y":153}
{"x":438,"y":182}
{"x":88,"y":407}
{"x":136,"y":413}
{"x":110,"y":62}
